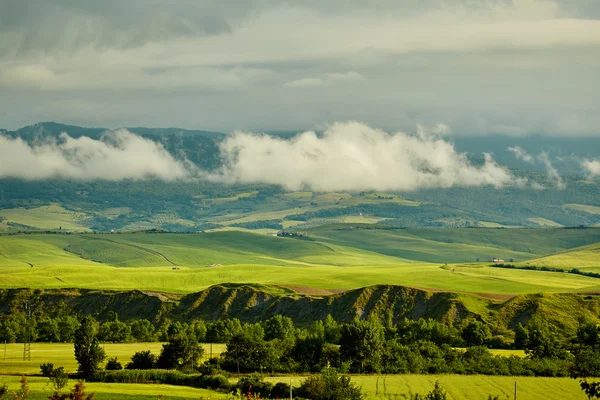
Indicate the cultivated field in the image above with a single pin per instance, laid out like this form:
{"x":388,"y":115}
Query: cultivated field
{"x":341,"y":256}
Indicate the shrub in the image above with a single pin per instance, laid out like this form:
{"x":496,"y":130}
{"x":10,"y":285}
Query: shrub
{"x":47,"y":369}
{"x":167,"y":377}
{"x":22,"y":393}
{"x":113,"y":364}
{"x":329,"y":386}
{"x":142,"y":360}
{"x":254,"y":384}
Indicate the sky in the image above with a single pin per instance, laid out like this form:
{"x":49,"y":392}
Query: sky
{"x":479,"y":67}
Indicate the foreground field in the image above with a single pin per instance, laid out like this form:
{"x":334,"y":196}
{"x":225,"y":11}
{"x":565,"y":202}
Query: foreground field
{"x":62,"y":354}
{"x":458,"y":387}
{"x":40,"y":389}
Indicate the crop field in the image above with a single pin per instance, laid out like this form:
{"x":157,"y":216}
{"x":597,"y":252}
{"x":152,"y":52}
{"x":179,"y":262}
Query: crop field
{"x":41,"y":389}
{"x":339,"y":256}
{"x":61,"y":354}
{"x":461,"y":387}
{"x":52,"y":216}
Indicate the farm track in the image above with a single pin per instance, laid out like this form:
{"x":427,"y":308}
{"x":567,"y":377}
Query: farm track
{"x":150,"y":251}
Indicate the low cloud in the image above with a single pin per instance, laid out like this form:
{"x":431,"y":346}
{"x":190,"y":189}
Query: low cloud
{"x":552,"y":174}
{"x":354,"y":156}
{"x":521,"y":154}
{"x":117,"y":155}
{"x":592,"y":167}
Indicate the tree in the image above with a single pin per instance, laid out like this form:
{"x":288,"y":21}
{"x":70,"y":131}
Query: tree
{"x":182,"y":352}
{"x":88,"y":352}
{"x":362,"y":344}
{"x":475,"y":333}
{"x":113,"y":364}
{"x":332,"y":330}
{"x":142,"y":330}
{"x":142,"y":360}
{"x":248,"y":353}
{"x":521,"y":337}
{"x":67,"y":326}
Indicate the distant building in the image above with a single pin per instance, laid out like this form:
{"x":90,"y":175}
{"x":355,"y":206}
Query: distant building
{"x":497,"y":260}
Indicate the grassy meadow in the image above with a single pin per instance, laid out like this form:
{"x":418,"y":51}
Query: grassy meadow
{"x":339,"y":256}
{"x":62,"y":354}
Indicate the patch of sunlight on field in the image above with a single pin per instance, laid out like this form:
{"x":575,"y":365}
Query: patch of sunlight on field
{"x":581,"y":257}
{"x":360,"y":219}
{"x":461,"y":387}
{"x":186,"y":280}
{"x":62,"y":355}
{"x":40,"y":389}
{"x":583,"y":207}
{"x":544,"y":222}
{"x":47,"y":217}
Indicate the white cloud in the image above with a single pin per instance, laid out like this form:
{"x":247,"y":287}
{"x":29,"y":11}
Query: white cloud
{"x":552,"y":173}
{"x":354,"y":156}
{"x":521,"y":154}
{"x":592,"y":167}
{"x":117,"y":155}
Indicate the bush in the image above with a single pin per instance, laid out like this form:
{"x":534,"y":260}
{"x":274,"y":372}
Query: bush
{"x":142,"y":360}
{"x":113,"y":364}
{"x":47,"y":369}
{"x":254,"y":384}
{"x":167,"y":377}
{"x":329,"y":386}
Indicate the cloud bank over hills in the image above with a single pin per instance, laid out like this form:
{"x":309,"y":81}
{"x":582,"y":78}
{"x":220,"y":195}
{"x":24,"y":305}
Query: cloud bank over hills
{"x":345,"y":156}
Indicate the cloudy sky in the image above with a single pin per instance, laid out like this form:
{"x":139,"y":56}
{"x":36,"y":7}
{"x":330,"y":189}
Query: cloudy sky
{"x":478,"y":66}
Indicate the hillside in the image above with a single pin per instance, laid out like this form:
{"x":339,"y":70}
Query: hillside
{"x":328,"y":259}
{"x":256,"y":303}
{"x":200,"y":205}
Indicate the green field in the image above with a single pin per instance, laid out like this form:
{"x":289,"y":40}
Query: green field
{"x":62,"y":354}
{"x":458,"y":387}
{"x":340,"y":256}
{"x":40,"y":389}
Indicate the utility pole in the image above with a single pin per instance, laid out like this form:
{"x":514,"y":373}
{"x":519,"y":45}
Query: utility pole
{"x":290,"y":388}
{"x":27,"y":343}
{"x":515,"y":390}
{"x":5,"y":350}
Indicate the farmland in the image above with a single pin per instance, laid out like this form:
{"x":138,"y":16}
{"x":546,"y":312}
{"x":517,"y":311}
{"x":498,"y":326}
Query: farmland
{"x":342,"y":256}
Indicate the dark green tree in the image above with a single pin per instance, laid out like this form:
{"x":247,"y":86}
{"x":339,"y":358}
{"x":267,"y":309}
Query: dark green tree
{"x":182,"y":352}
{"x":362,"y":344}
{"x":88,"y":352}
{"x":142,"y":360}
{"x":475,"y":333}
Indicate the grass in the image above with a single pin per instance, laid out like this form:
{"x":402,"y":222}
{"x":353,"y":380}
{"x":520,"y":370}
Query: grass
{"x":40,"y":389}
{"x":52,"y":216}
{"x":544,"y":222}
{"x":335,"y":257}
{"x":460,"y":387}
{"x":583,"y":258}
{"x":582,"y":207}
{"x":61,"y":354}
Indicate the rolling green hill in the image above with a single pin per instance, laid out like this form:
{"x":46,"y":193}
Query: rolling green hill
{"x":331,"y":258}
